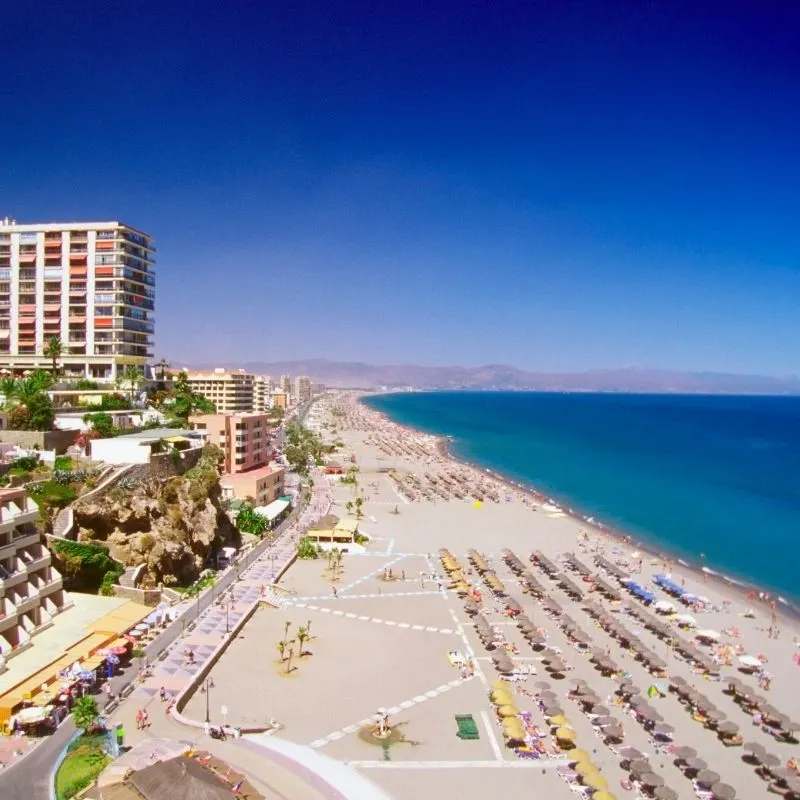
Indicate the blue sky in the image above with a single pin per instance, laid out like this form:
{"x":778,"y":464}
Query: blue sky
{"x":557,"y":185}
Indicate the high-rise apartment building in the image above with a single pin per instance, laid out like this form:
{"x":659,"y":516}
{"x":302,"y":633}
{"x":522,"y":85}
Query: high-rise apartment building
{"x":302,"y":388}
{"x":232,"y":392}
{"x":286,"y":385}
{"x":31,"y":590}
{"x":91,"y":284}
{"x":244,"y":438}
{"x":261,"y":392}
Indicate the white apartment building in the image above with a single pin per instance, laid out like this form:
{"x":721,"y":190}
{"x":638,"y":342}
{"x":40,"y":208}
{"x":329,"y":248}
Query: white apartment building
{"x":286,"y":385}
{"x":31,"y":590}
{"x":91,"y":284}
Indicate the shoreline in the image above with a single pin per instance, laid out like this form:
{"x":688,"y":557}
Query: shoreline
{"x":734,"y":587}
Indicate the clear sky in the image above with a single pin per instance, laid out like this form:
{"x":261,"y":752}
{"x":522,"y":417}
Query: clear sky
{"x":555,"y":184}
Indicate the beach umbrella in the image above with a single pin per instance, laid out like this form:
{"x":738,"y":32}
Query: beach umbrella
{"x":548,"y":697}
{"x":595,"y":781}
{"x":639,"y":767}
{"x":604,"y":721}
{"x":614,"y":731}
{"x":695,"y":764}
{"x":565,"y":734}
{"x":685,"y":752}
{"x":723,"y":791}
{"x":769,"y":760}
{"x":553,"y":711}
{"x":755,"y":748}
{"x":603,"y":796}
{"x":632,"y":754}
{"x":542,"y":685}
{"x":578,"y":755}
{"x":651,"y":779}
{"x":586,"y":768}
{"x":600,"y":710}
{"x":715,"y":715}
{"x":707,"y":777}
{"x":665,"y":793}
{"x":559,"y":719}
{"x":507,"y":711}
{"x":662,"y":729}
{"x":728,"y":728}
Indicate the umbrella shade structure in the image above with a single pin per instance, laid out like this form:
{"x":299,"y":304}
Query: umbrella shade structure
{"x":665,"y":793}
{"x":651,"y":779}
{"x":501,"y":684}
{"x":769,"y":760}
{"x":559,"y":720}
{"x":179,"y":779}
{"x":728,"y":728}
{"x":723,"y":791}
{"x":604,"y":721}
{"x":595,"y":781}
{"x":662,"y":729}
{"x":685,"y":752}
{"x":586,"y":768}
{"x":600,"y":710}
{"x":578,"y":755}
{"x":632,"y":754}
{"x":639,"y":767}
{"x":513,"y":729}
{"x":603,"y":796}
{"x":502,"y":698}
{"x":553,"y":711}
{"x":614,"y":731}
{"x":542,"y":685}
{"x":507,"y":711}
{"x":565,"y":734}
{"x":755,"y":748}
{"x":696,"y":764}
{"x":707,"y":778}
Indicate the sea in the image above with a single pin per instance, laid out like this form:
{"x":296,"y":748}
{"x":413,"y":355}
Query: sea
{"x":713,"y":480}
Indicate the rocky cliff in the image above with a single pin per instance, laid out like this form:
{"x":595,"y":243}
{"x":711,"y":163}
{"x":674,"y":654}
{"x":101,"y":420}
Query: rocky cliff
{"x":171,"y":525}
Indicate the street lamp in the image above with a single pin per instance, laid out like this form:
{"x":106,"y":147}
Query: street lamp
{"x":227,"y":608}
{"x":208,"y":685}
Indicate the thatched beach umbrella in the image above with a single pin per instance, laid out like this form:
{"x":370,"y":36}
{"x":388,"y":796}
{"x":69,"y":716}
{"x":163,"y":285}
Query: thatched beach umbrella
{"x":695,"y":765}
{"x":542,"y":685}
{"x":707,"y":778}
{"x":652,"y":780}
{"x":639,"y":767}
{"x":614,"y":731}
{"x":665,"y":793}
{"x":684,"y":752}
{"x":769,"y":761}
{"x":723,"y":791}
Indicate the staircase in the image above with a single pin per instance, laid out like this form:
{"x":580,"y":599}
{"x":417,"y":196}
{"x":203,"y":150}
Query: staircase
{"x":131,"y":576}
{"x":64,"y":524}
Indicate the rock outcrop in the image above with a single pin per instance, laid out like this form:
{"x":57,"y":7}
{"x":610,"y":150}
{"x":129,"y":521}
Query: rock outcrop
{"x":171,"y":525}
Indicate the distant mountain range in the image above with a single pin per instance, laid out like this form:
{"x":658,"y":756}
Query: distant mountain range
{"x":501,"y":376}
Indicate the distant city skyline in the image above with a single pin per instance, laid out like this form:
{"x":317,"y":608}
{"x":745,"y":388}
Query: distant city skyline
{"x":559,"y":187}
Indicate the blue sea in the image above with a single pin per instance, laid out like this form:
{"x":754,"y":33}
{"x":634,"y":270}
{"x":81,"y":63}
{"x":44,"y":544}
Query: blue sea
{"x":711,"y":479}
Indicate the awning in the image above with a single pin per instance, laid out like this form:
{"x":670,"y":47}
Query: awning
{"x":175,"y":439}
{"x":273,"y":510}
{"x":121,"y":619}
{"x":93,"y":662}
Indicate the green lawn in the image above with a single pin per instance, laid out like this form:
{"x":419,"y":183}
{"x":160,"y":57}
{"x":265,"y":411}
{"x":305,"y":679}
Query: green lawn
{"x":84,"y":762}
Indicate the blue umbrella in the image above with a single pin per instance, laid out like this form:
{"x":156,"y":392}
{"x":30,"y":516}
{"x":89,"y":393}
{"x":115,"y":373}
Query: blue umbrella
{"x":112,"y":659}
{"x":86,"y":675}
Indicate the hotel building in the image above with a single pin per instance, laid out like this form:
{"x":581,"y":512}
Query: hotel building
{"x":31,"y":591}
{"x":92,"y":284}
{"x":231,"y":392}
{"x":245,"y":441}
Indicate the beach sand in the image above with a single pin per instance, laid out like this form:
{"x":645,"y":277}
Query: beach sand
{"x":385,"y":643}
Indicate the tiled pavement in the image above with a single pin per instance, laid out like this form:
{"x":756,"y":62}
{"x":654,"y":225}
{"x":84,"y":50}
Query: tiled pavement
{"x":174,"y":671}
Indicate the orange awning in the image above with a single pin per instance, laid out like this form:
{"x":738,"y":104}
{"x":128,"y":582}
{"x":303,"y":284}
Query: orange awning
{"x":102,"y":322}
{"x":104,"y":271}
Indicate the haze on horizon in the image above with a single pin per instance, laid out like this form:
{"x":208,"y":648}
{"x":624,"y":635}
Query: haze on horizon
{"x":558,"y":186}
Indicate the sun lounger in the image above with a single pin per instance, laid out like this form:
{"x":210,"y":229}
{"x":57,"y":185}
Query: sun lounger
{"x":467,"y":729}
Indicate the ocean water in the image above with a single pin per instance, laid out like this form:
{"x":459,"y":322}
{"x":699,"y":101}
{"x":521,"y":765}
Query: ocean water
{"x":710,"y":479}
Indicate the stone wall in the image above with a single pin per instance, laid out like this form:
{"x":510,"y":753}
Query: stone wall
{"x":147,"y":597}
{"x":40,"y":440}
{"x":165,"y":465}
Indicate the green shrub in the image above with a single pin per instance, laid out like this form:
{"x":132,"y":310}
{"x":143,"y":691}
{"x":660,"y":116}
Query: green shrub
{"x":307,"y":548}
{"x":63,"y":463}
{"x":85,"y":384}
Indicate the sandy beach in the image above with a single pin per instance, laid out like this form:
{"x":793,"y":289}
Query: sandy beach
{"x":424,"y":635}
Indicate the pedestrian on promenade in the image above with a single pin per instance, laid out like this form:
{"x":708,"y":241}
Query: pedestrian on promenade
{"x":162,"y":694}
{"x":139,"y":721}
{"x":333,"y":589}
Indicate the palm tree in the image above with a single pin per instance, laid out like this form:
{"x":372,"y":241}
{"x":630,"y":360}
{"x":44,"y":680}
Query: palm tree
{"x":286,"y":632}
{"x":308,"y":629}
{"x":131,"y":377}
{"x":53,"y":350}
{"x":348,"y":506}
{"x":289,"y":660}
{"x":282,"y":649}
{"x":302,"y":637}
{"x":359,"y":501}
{"x":8,"y":388}
{"x":85,"y":713}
